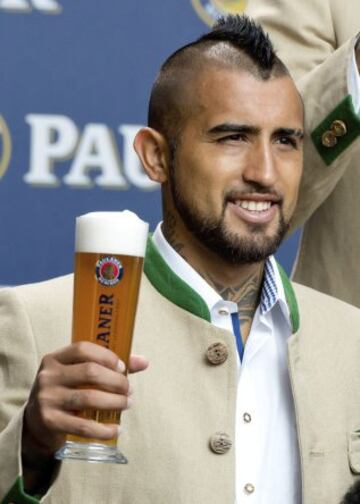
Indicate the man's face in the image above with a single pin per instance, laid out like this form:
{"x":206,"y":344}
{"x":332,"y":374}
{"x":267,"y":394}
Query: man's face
{"x":236,"y":170}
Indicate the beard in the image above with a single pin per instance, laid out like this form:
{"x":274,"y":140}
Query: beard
{"x":212,"y":232}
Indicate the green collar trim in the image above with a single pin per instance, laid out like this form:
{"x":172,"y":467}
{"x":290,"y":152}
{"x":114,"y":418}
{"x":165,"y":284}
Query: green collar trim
{"x":17,"y":494}
{"x":290,"y":299}
{"x":170,"y":285}
{"x":181,"y":294}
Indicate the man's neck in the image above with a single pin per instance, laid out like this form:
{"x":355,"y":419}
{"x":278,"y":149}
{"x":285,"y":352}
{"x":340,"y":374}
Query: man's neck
{"x":240,"y":284}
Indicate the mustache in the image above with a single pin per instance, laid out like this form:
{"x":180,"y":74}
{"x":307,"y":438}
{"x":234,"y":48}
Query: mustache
{"x":255,"y":189}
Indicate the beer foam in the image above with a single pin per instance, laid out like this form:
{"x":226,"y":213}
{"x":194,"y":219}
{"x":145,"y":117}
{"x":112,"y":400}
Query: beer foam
{"x":111,"y":233}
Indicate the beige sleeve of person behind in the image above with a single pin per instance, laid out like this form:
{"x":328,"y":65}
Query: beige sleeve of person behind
{"x":326,"y":100}
{"x":305,"y":33}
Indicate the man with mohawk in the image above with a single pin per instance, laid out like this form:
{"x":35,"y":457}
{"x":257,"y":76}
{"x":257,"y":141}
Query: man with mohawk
{"x":251,"y":395}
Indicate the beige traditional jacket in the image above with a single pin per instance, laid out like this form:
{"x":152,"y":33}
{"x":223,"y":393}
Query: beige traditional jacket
{"x":182,"y":400}
{"x":315,"y":38}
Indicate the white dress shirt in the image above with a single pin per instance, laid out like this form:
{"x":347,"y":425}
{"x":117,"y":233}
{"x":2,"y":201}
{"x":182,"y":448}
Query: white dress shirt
{"x":267,"y":455}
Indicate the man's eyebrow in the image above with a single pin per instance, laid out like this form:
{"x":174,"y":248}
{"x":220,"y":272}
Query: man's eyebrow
{"x":299,"y":133}
{"x":234,"y":128}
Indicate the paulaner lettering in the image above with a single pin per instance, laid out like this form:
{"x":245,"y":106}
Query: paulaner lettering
{"x":105,"y":319}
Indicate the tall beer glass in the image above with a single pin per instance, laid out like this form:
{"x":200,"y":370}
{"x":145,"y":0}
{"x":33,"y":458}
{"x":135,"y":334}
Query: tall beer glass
{"x":110,"y":248}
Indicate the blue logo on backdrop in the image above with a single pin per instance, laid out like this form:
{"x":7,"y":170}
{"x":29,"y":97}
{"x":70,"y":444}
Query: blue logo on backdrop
{"x":5,"y":146}
{"x":26,"y":6}
{"x":210,"y":10}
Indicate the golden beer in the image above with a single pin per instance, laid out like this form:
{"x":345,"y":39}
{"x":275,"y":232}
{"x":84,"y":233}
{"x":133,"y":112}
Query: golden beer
{"x":106,"y":288}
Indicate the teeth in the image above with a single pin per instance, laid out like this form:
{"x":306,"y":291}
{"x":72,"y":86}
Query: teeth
{"x":254,"y":206}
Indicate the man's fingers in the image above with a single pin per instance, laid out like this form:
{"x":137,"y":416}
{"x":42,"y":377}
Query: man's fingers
{"x":69,"y":424}
{"x":85,"y":351}
{"x":137,"y":363}
{"x":84,"y":399}
{"x":91,"y":374}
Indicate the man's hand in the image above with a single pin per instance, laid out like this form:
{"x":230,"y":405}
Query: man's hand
{"x":77,"y":377}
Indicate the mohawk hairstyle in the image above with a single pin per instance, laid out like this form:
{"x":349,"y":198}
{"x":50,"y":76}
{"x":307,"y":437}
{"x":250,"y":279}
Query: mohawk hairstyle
{"x":234,"y":42}
{"x":244,"y":34}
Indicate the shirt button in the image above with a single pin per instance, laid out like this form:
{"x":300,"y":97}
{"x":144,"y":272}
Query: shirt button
{"x":247,"y":417}
{"x":224,"y":311}
{"x":249,"y":488}
{"x":220,"y":443}
{"x":217,"y":353}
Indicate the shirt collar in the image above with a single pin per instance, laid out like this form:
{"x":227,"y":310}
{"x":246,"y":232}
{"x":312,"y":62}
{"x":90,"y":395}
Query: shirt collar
{"x":183,"y":269}
{"x":272,"y":291}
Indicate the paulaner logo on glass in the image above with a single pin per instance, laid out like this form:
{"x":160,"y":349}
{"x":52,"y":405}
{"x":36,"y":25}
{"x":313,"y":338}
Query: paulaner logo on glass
{"x":26,"y":6}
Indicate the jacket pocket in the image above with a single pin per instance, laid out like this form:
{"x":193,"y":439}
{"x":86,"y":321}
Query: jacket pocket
{"x":354,"y":451}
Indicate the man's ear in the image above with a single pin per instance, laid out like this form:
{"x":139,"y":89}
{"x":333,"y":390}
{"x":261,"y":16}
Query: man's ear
{"x":153,"y":151}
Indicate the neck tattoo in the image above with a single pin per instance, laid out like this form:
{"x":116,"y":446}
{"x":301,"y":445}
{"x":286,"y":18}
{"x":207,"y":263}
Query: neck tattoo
{"x":169,"y":231}
{"x":246,"y":294}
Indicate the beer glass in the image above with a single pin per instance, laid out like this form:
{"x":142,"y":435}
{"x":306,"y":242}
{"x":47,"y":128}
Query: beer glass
{"x":109,"y":254}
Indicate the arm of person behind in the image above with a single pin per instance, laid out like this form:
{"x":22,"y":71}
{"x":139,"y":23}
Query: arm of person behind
{"x":306,"y":36}
{"x":302,"y":33}
{"x":328,"y":152}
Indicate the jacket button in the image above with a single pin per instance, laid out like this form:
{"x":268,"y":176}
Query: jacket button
{"x":220,"y":443}
{"x":329,"y":139}
{"x":249,"y":488}
{"x":339,"y":128}
{"x":217,"y":353}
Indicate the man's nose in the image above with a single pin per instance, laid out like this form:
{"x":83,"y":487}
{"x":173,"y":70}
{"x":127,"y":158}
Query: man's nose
{"x":261,"y":165}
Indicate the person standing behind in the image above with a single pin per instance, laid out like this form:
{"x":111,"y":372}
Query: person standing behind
{"x":317,"y":41}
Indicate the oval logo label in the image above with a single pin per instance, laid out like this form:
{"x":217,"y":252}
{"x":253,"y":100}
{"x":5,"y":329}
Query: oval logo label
{"x":5,"y":146}
{"x":109,"y":271}
{"x":210,"y":10}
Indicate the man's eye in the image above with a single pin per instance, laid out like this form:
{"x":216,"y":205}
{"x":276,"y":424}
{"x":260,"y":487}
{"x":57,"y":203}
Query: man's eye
{"x":285,"y":140}
{"x":235,"y":137}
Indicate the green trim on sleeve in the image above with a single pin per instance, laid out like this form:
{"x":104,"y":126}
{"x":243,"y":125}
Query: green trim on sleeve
{"x":17,"y":495}
{"x":344,"y":112}
{"x":291,"y":299}
{"x":170,"y":285}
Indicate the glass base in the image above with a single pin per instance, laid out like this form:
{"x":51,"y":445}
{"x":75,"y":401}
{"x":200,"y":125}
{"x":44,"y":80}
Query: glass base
{"x":91,"y":452}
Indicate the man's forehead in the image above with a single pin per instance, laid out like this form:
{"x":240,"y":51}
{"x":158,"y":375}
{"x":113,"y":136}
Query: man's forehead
{"x":221,"y":91}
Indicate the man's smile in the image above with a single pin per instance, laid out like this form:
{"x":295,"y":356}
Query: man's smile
{"x":254,"y":208}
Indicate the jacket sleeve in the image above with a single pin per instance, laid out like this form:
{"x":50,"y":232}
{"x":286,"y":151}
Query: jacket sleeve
{"x":327,"y":104}
{"x":19,"y":361}
{"x":302,"y":32}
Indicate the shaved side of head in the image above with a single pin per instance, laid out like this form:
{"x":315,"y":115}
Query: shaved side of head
{"x":234,"y":43}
